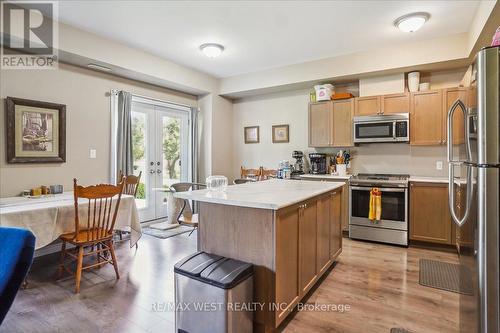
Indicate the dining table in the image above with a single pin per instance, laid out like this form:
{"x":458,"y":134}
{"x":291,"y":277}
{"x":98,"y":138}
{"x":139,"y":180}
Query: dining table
{"x":48,"y":217}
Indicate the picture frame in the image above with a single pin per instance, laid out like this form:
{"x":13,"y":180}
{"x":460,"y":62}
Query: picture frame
{"x":251,"y":134}
{"x":281,"y":133}
{"x":35,"y":130}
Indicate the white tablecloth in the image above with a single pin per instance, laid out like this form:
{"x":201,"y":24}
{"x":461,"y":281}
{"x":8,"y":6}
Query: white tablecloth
{"x":50,"y":217}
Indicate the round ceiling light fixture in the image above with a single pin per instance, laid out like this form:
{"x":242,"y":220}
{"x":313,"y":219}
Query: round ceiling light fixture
{"x":411,"y":22}
{"x":212,"y":50}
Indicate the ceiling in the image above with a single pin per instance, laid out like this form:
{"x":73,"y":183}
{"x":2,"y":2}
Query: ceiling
{"x":260,"y":35}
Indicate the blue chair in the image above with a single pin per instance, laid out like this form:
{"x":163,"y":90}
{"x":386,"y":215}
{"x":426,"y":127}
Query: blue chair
{"x":17,"y":247}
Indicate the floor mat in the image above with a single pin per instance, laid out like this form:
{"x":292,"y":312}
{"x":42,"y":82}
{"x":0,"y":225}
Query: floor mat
{"x":163,"y":234}
{"x":163,"y":226}
{"x":445,"y":276}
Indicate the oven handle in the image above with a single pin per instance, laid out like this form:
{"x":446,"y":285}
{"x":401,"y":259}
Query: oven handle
{"x":381,"y":189}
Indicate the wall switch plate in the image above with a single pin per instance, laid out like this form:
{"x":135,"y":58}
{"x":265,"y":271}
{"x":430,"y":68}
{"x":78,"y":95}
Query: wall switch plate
{"x":439,"y":165}
{"x":93,"y":153}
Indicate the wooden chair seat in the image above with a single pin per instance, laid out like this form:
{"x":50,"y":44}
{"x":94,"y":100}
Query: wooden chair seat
{"x":192,"y":221}
{"x":86,"y":236}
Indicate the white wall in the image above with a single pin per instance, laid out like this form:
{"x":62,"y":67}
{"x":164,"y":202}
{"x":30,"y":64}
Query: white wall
{"x":265,"y":111}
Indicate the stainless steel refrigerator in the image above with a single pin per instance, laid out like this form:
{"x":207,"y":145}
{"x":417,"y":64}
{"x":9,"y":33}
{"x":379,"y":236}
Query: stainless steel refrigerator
{"x":474,"y":182}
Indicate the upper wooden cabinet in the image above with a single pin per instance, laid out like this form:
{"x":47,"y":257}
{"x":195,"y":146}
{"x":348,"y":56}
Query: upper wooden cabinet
{"x":342,"y":123}
{"x":449,"y":97}
{"x":395,"y":103}
{"x":426,"y":118}
{"x":320,"y":124}
{"x":367,"y":106}
{"x":330,"y":123}
{"x":380,"y":105}
{"x":430,"y":219}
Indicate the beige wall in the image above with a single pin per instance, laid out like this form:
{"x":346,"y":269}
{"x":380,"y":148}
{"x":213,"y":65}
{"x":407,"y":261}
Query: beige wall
{"x":87,"y":100}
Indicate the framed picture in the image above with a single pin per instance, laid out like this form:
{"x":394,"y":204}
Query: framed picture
{"x":281,"y":133}
{"x":252,"y":134}
{"x":36,"y":131}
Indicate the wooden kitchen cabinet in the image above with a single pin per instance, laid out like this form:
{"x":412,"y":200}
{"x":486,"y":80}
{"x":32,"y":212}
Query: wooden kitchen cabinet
{"x":426,"y":118}
{"x":343,"y":111}
{"x":320,"y":124}
{"x":367,"y":106}
{"x":330,"y":123}
{"x":307,"y":246}
{"x":395,"y":103}
{"x":323,"y":210}
{"x":449,"y":97}
{"x":336,"y":223}
{"x":430,"y":220}
{"x":287,"y":264}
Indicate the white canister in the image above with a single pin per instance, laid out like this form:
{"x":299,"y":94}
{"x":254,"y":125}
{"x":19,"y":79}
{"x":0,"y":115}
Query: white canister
{"x":341,"y":169}
{"x":413,"y":81}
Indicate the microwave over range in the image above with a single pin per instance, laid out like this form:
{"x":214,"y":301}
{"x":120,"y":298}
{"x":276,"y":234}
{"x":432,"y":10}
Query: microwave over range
{"x":386,"y":128}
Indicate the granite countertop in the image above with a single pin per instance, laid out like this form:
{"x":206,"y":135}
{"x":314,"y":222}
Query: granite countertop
{"x":270,"y":194}
{"x":326,"y":176}
{"x":428,"y":179}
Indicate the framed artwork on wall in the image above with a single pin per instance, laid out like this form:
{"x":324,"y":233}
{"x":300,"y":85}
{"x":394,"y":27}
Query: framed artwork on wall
{"x":252,"y":134}
{"x":281,"y":133}
{"x":36,"y":131}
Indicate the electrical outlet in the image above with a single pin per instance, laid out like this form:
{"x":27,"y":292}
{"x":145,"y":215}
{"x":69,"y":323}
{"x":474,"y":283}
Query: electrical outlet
{"x":93,"y":153}
{"x":439,"y":165}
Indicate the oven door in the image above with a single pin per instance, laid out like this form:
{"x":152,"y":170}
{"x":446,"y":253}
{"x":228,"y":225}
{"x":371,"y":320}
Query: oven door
{"x":394,"y":207}
{"x":378,"y":131}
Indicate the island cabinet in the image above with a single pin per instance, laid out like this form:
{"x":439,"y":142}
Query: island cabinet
{"x":291,"y":246}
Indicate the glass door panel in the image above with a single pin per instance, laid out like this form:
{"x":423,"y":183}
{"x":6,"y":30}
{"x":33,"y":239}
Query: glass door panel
{"x":172,"y":127}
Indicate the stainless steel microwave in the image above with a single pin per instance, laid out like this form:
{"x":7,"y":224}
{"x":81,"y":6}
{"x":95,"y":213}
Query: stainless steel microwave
{"x":389,"y":128}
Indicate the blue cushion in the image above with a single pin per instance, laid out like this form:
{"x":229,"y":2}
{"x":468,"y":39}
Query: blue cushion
{"x":16,"y":255}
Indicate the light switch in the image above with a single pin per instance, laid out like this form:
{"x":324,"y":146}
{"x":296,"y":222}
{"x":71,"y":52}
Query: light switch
{"x":93,"y":153}
{"x":439,"y":165}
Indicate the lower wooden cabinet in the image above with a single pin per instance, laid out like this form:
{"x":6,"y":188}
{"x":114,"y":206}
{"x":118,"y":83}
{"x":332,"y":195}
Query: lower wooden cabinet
{"x":336,"y":213}
{"x":430,"y":219}
{"x":308,"y":234}
{"x":308,"y":240}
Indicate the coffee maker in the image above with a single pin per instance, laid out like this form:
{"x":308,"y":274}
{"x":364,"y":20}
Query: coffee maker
{"x":318,"y":163}
{"x":298,"y":167}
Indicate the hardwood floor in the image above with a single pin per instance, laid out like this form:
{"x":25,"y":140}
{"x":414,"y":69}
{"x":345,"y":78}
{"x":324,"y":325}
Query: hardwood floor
{"x":378,"y":282}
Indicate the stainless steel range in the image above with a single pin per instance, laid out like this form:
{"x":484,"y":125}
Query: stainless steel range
{"x":393,"y":225}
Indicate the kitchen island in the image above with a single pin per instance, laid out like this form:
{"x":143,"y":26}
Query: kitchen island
{"x":289,"y":229}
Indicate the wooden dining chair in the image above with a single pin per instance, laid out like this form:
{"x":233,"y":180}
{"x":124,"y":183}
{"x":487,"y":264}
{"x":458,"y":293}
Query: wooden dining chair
{"x":95,"y":232}
{"x":249,"y":173}
{"x":267,"y":173}
{"x":130,"y":187}
{"x":187,"y":218}
{"x":131,"y":183}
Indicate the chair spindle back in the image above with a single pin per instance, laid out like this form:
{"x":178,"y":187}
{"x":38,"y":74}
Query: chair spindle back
{"x":100,"y":223}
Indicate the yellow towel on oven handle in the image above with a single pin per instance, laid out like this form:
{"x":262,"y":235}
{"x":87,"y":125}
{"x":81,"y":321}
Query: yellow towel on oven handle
{"x":375,"y":208}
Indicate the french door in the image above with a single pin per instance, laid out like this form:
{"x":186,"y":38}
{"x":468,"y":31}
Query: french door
{"x":160,"y":140}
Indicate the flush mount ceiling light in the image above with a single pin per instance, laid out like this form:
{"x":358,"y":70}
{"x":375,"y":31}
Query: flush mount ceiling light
{"x":212,"y":50}
{"x":411,"y":22}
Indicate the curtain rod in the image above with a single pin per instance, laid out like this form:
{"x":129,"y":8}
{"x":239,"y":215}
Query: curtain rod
{"x":158,"y":100}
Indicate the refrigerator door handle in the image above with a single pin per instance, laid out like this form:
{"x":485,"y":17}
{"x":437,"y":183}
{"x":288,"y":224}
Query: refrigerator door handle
{"x":449,"y":128}
{"x":451,"y":193}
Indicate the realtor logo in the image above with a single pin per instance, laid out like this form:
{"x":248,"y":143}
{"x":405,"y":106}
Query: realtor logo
{"x":29,"y":34}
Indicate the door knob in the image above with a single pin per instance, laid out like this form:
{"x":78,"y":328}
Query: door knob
{"x":158,"y":170}
{"x":151,"y":171}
